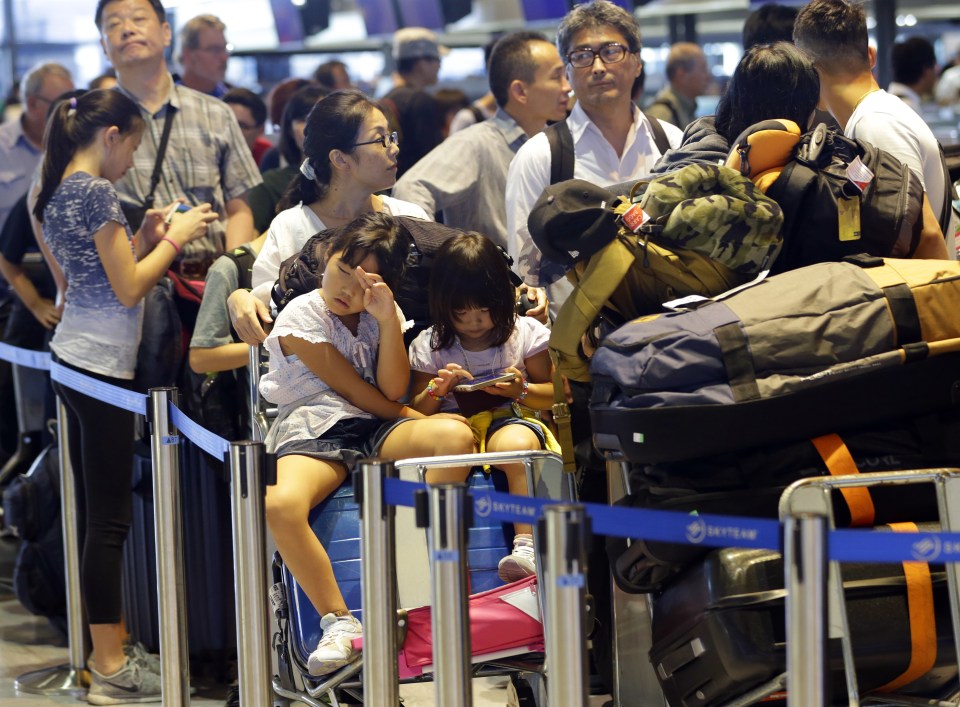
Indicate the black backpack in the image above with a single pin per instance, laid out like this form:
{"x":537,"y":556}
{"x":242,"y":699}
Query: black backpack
{"x":31,"y":508}
{"x":814,"y":184}
{"x":299,"y":273}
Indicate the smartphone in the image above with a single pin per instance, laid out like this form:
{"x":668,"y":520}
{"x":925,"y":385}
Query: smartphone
{"x":484,"y":382}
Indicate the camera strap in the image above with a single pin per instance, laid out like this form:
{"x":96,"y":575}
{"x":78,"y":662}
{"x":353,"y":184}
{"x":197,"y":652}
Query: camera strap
{"x":161,"y":151}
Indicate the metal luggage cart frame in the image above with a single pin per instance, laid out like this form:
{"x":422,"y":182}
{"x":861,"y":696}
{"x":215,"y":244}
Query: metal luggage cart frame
{"x":554,"y":483}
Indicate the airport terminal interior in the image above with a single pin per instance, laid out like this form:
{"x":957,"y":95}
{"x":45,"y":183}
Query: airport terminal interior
{"x":596,"y":343}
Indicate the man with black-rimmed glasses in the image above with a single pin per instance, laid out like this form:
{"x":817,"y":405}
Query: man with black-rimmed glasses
{"x":612,"y":140}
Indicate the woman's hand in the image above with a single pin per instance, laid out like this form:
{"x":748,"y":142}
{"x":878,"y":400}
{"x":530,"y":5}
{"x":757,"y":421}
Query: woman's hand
{"x":511,"y":389}
{"x":248,"y":316}
{"x":538,"y":302}
{"x":377,"y":296}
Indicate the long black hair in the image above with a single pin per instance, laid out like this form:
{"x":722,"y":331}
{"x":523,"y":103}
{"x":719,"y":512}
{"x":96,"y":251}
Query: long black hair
{"x":470,"y":271}
{"x":73,"y":125}
{"x":771,"y":81}
{"x":333,"y":124}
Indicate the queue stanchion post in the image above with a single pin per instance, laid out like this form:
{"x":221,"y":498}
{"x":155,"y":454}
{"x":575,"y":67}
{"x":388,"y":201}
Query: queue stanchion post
{"x":443,"y":507}
{"x":250,"y":475}
{"x":565,"y":531}
{"x":64,"y":679}
{"x":805,"y":568}
{"x":168,"y":533}
{"x":253,"y":371}
{"x":379,"y":579}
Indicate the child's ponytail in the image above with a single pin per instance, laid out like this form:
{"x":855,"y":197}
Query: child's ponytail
{"x":72,"y":125}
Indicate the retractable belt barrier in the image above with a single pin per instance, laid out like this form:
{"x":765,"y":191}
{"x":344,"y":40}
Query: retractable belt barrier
{"x":845,"y":545}
{"x":809,"y":547}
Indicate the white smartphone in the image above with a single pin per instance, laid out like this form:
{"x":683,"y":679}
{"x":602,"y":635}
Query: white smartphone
{"x":484,"y":382}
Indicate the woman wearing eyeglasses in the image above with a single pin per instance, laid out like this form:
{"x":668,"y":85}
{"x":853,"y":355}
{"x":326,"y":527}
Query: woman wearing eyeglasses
{"x":350,"y":155}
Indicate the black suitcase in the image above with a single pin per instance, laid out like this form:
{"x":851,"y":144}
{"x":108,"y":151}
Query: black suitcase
{"x":718,"y":629}
{"x":208,"y":562}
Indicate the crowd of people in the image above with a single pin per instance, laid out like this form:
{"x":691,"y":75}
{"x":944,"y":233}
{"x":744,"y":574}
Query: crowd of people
{"x":162,"y":173}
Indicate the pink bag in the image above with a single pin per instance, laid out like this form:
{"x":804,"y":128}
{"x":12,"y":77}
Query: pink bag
{"x":504,"y":621}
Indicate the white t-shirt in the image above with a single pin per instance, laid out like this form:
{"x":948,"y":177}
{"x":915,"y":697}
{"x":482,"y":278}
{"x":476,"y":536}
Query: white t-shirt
{"x":292,"y":228}
{"x":595,"y":161}
{"x":529,"y":338}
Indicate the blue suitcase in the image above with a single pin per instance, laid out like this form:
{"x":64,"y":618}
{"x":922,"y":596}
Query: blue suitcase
{"x":336,"y":522}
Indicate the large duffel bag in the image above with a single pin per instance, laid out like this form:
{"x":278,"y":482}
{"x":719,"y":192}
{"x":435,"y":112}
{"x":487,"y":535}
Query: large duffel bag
{"x":792,"y":338}
{"x":719,"y":630}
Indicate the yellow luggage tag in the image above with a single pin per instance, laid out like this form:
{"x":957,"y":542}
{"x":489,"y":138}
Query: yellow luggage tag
{"x":848,"y":211}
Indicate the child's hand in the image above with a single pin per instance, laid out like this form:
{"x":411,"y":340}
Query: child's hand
{"x":448,"y":377}
{"x":510,"y":389}
{"x":190,"y":225}
{"x":377,"y":297}
{"x":155,"y":223}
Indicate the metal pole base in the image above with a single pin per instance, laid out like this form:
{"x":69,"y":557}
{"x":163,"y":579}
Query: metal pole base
{"x":59,"y":680}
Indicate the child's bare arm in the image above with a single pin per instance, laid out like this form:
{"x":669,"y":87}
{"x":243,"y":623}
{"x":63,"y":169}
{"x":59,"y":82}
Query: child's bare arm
{"x":330,"y":366}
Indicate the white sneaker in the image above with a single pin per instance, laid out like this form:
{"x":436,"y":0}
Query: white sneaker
{"x":335,"y":648}
{"x":521,"y":563}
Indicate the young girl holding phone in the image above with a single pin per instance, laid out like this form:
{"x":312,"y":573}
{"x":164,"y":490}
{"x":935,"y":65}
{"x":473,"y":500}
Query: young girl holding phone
{"x":337,"y":367}
{"x":476,"y":332}
{"x":90,"y":143}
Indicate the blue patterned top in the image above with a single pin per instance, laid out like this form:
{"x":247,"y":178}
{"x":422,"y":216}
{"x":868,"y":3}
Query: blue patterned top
{"x":96,"y":332}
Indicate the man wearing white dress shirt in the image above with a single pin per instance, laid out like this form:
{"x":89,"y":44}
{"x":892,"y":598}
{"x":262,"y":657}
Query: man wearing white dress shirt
{"x":613,"y":141}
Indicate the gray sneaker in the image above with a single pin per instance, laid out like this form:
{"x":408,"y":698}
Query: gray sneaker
{"x":132,"y":684}
{"x":139,"y":653}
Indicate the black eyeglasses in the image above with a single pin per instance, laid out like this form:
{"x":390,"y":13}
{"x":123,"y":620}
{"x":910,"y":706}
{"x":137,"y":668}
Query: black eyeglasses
{"x":612,"y":53}
{"x":384,"y":140}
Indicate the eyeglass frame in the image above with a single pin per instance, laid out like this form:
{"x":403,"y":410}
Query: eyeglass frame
{"x":385,"y":141}
{"x":594,"y":53}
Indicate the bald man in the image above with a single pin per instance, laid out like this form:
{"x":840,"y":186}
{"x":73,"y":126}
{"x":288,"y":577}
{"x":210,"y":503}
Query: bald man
{"x":688,"y":77}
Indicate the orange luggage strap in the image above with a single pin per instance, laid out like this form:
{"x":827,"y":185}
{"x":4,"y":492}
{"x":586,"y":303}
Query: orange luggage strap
{"x":839,"y":462}
{"x":923,"y":623}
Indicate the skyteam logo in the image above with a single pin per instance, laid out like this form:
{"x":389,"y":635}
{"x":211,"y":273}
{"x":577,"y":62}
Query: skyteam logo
{"x":483,"y":506}
{"x":927,"y":549}
{"x":696,"y":531}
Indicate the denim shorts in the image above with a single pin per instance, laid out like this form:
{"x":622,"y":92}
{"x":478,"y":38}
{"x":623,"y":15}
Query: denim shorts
{"x":346,"y":442}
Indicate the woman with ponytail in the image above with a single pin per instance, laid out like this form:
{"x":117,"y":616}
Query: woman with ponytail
{"x":350,"y":154}
{"x":90,"y":141}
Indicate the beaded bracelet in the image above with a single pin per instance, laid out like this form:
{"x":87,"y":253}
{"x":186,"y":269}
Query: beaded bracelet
{"x":523,"y":393}
{"x":432,"y":391}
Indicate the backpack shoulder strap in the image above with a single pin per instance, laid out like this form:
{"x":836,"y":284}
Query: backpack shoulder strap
{"x":562,"y":156}
{"x":948,"y":196}
{"x":477,"y":114}
{"x":673,"y":112}
{"x":243,"y":260}
{"x":659,"y":135}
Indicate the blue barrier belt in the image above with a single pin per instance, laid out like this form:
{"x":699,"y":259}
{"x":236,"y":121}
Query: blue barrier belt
{"x":873,"y":546}
{"x":666,"y":526}
{"x":214,"y":445}
{"x":111,"y":394}
{"x":39,"y":360}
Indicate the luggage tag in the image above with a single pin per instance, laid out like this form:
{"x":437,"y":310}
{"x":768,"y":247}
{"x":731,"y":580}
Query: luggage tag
{"x":859,"y":174}
{"x":634,"y":218}
{"x":848,"y":212}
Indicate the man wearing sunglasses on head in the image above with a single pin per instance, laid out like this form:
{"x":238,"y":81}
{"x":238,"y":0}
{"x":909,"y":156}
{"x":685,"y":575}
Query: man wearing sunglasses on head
{"x":612,"y":140}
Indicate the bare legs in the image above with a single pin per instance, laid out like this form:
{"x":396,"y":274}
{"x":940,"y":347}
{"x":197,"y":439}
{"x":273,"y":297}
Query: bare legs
{"x":302,"y":483}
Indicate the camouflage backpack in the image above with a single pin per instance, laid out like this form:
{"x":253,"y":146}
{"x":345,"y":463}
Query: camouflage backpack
{"x":701,"y":230}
